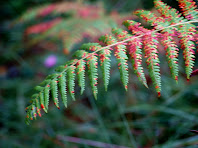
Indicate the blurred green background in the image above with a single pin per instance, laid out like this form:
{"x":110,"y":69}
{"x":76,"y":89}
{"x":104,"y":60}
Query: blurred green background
{"x":38,"y":35}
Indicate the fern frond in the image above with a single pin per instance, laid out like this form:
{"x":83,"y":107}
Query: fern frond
{"x":165,"y":28}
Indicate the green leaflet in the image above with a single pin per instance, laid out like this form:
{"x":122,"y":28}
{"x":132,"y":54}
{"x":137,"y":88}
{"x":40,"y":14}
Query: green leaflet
{"x":80,"y":53}
{"x":71,"y":81}
{"x":34,"y":110}
{"x":92,"y":62}
{"x":150,"y":44}
{"x":29,"y":115}
{"x":41,"y":96}
{"x":105,"y":60}
{"x":171,"y":54}
{"x":62,"y":86}
{"x":46,"y":96}
{"x":54,"y":91}
{"x":135,"y":53}
{"x":90,"y":46}
{"x":80,"y":70}
{"x":39,"y":88}
{"x":186,"y":37}
{"x":27,"y":119}
{"x":60,"y":68}
{"x":37,"y":104}
{"x":122,"y":58}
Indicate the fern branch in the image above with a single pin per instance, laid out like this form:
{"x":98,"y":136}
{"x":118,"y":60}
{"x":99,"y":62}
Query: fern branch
{"x":69,"y":68}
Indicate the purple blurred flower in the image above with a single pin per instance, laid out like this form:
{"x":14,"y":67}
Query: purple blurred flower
{"x":50,"y":61}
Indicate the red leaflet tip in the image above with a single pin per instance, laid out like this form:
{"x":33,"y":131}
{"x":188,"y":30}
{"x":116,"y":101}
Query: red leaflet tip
{"x":58,"y":107}
{"x":188,"y":79}
{"x":158,"y":94}
{"x":42,"y":106}
{"x":39,"y":114}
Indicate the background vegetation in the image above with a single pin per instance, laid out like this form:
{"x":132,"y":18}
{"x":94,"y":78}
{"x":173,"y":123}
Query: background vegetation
{"x":30,"y":50}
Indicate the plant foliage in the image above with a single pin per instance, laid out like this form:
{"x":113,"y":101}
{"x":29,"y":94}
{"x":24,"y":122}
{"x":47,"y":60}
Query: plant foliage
{"x":68,"y":22}
{"x":125,"y":45}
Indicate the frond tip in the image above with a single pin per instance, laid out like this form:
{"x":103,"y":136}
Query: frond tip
{"x":124,"y":45}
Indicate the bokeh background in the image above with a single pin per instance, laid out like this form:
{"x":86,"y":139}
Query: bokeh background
{"x":38,"y":35}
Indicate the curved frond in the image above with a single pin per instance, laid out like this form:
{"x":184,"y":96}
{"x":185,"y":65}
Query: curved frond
{"x":124,"y":44}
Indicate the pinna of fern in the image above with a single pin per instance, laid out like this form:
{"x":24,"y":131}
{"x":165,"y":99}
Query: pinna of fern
{"x":124,"y":44}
